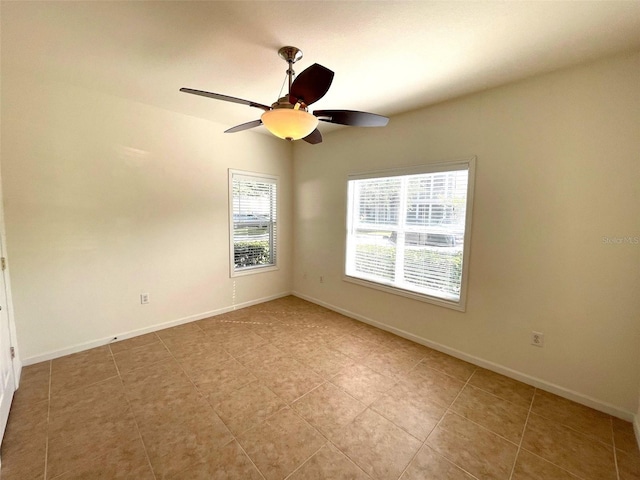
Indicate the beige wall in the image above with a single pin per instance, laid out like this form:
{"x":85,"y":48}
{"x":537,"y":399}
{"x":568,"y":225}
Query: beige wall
{"x":106,"y":199}
{"x":558,"y":169}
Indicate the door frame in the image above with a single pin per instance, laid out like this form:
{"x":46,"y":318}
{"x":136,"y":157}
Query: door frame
{"x":13,"y":343}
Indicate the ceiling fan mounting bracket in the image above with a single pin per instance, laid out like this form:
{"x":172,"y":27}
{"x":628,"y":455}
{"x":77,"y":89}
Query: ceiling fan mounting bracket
{"x":290,"y":54}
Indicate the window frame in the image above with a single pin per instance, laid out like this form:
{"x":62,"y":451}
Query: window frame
{"x":275,"y":179}
{"x":468,"y":164}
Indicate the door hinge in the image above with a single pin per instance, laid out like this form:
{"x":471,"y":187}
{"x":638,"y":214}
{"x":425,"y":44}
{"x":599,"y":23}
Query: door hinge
{"x":13,"y":353}
{"x":3,"y":263}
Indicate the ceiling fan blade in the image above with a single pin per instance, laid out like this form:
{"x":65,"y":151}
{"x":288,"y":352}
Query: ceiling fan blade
{"x":314,"y":137}
{"x":225,"y":98}
{"x":352,"y":118}
{"x":244,"y":126}
{"x":311,"y":85}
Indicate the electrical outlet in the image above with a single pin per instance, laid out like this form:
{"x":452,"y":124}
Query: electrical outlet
{"x":144,"y":298}
{"x":304,"y":276}
{"x":321,"y":279}
{"x":537,"y":339}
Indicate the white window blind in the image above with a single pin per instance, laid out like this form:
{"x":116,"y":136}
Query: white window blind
{"x":407,"y":231}
{"x":253,"y":204}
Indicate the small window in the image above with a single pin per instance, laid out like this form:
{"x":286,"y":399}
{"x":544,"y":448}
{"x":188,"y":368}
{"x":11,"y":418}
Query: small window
{"x":253,"y":220}
{"x":408,"y":231}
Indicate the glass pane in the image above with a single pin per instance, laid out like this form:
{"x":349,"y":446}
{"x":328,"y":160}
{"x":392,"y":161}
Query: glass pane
{"x":375,"y":253}
{"x":378,"y":201}
{"x":254,"y":222}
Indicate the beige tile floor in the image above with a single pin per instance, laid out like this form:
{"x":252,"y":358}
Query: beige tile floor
{"x":288,"y":389}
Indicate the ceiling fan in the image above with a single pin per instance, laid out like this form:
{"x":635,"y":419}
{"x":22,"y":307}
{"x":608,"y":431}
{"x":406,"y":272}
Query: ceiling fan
{"x":289,"y":118}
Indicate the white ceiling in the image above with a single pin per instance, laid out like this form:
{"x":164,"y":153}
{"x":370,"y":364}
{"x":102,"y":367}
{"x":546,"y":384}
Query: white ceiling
{"x":388,"y":57}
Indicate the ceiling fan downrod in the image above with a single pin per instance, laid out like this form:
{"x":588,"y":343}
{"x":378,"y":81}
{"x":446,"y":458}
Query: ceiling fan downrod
{"x":290,"y":55}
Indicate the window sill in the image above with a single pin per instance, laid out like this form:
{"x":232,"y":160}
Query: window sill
{"x":459,"y":305}
{"x":253,"y":270}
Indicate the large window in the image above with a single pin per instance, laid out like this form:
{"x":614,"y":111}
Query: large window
{"x":408,"y":231}
{"x":253,"y":219}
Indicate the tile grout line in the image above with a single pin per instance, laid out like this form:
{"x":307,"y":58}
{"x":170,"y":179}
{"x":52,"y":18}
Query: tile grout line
{"x":424,"y":442}
{"x":535,"y":454}
{"x":310,"y":456}
{"x":615,"y":452}
{"x":135,"y":420}
{"x":288,"y":405}
{"x":524,"y":429}
{"x":206,"y":399}
{"x":249,"y":458}
{"x":293,"y":409}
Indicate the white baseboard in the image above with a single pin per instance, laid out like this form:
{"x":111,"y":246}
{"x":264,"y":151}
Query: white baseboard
{"x":508,"y":372}
{"x":153,"y":328}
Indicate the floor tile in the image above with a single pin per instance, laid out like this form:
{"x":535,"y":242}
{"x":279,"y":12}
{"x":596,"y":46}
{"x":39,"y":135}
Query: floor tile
{"x":69,"y":451}
{"x":264,"y":354}
{"x":152,"y":380}
{"x":27,"y":421}
{"x":362,"y":383}
{"x":450,"y":365}
{"x":504,"y":387}
{"x":431,"y":384}
{"x":624,"y":435}
{"x":227,"y":463}
{"x":300,"y":346}
{"x":353,"y":346}
{"x":531,"y":467}
{"x":139,"y":341}
{"x":409,"y":410}
{"x":281,"y":444}
{"x":128,"y":360}
{"x":473,"y":448}
{"x":34,"y":383}
{"x":392,"y":363}
{"x":325,"y":361}
{"x":628,"y":465}
{"x":329,"y":463}
{"x":90,"y":407}
{"x":570,"y":450}
{"x":374,"y":335}
{"x":24,"y":462}
{"x":196,"y":357}
{"x":223,"y":330}
{"x":585,"y":420}
{"x":247,"y":407}
{"x":427,"y":464}
{"x":222,"y":379}
{"x":191,"y":329}
{"x":181,"y":436}
{"x":286,"y":377}
{"x":379,"y":447}
{"x":124,"y":461}
{"x":328,"y":408}
{"x":240,"y":344}
{"x":24,"y":444}
{"x":493,"y":413}
{"x":81,"y":369}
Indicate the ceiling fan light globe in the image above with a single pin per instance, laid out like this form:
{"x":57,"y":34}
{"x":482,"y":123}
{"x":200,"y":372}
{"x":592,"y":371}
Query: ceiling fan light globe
{"x":288,"y":123}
